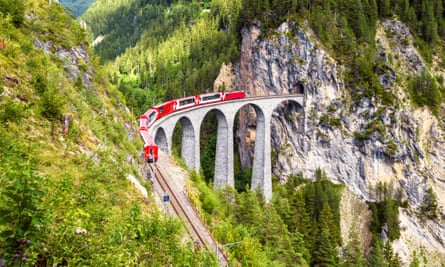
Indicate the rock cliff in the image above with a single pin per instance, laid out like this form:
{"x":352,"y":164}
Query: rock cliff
{"x":403,"y":147}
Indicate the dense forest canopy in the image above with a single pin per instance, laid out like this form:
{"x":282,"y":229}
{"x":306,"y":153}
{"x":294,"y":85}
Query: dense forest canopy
{"x":165,"y":49}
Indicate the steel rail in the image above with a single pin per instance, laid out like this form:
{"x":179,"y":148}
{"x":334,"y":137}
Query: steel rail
{"x":181,"y":212}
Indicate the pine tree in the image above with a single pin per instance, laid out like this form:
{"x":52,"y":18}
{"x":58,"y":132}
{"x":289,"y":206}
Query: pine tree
{"x":302,"y":222}
{"x":326,"y":221}
{"x":429,"y":205}
{"x":324,"y":252}
{"x":391,"y":215}
{"x":429,"y":23}
{"x":249,"y":213}
{"x":276,"y":238}
{"x":392,"y":259}
{"x":384,"y":8}
{"x":352,"y":254}
{"x":376,"y":257}
{"x":302,"y":253}
{"x":282,"y":206}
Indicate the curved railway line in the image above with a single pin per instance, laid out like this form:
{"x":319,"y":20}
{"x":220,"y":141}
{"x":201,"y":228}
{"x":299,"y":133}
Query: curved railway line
{"x":194,"y":226}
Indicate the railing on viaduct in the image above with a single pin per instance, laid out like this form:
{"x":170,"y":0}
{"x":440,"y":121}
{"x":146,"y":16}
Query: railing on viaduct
{"x":191,"y":119}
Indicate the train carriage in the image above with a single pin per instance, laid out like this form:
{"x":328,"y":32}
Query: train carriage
{"x":234,"y":95}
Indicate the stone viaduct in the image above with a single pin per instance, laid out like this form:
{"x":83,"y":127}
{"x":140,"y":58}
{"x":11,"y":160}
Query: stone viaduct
{"x":162,"y":131}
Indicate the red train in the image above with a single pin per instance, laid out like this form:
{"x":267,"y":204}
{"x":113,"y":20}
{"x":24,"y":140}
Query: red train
{"x":161,"y":110}
{"x":150,"y":148}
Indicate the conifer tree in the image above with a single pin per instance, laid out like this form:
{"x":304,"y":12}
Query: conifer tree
{"x":352,"y":254}
{"x":276,"y":238}
{"x":326,"y":221}
{"x":324,"y":252}
{"x":392,"y":259}
{"x":248,"y":212}
{"x":377,"y":257}
{"x":301,"y":221}
{"x":302,"y":253}
{"x":429,"y":205}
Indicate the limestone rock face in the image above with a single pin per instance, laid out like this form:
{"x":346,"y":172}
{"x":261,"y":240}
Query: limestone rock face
{"x":76,"y":61}
{"x":360,"y":144}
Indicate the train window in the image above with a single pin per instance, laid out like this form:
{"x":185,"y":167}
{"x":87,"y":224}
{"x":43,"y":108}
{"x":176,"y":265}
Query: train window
{"x":186,"y":101}
{"x":211,"y":97}
{"x":152,"y":117}
{"x":161,"y":109}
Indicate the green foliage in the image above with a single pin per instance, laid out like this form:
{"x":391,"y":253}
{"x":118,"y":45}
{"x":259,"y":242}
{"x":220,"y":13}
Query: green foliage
{"x":415,"y":261}
{"x":425,"y":91}
{"x":374,"y":126}
{"x":11,"y":111}
{"x":352,"y":252}
{"x":362,"y":79}
{"x":385,"y":214}
{"x":330,"y":122}
{"x":243,"y":179}
{"x":51,"y":104}
{"x":22,"y":213}
{"x":13,"y":8}
{"x":176,"y":47}
{"x":393,"y":260}
{"x":324,"y":252}
{"x":391,"y":148}
{"x":429,"y":205}
{"x":208,"y":146}
{"x":376,"y":257}
{"x":281,"y":232}
{"x":58,"y":26}
{"x":382,"y":254}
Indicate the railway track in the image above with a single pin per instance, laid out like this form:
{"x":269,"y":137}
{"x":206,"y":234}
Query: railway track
{"x":194,"y":226}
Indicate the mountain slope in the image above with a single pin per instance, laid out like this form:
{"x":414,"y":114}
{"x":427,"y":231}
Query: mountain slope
{"x":67,"y":145}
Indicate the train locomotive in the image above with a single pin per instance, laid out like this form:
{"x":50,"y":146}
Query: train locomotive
{"x":156,"y":112}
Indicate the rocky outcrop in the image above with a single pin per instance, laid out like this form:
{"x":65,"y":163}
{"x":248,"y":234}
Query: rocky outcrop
{"x":76,"y":61}
{"x":362,"y":144}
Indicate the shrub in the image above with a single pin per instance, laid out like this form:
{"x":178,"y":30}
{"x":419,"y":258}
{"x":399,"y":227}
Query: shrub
{"x":15,"y":9}
{"x":11,"y":111}
{"x":429,"y":206}
{"x":51,"y":105}
{"x":425,"y":91}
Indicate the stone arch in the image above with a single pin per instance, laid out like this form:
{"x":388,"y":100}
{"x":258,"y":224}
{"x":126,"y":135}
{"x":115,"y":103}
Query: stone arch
{"x":161,"y":139}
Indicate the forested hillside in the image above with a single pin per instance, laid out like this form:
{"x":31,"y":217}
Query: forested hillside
{"x":171,"y":48}
{"x":67,"y":146}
